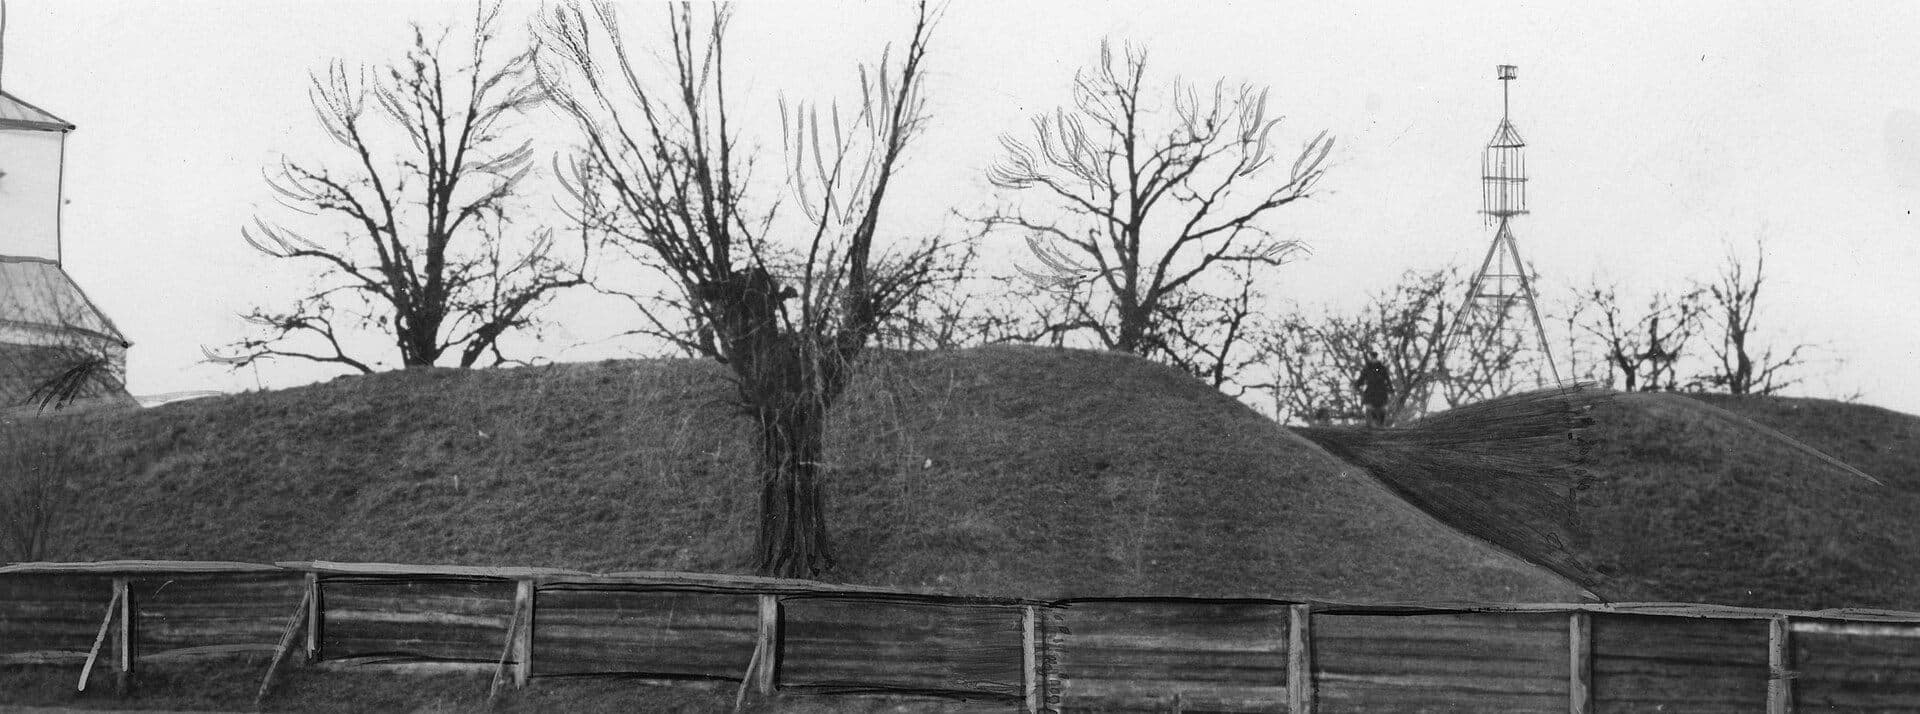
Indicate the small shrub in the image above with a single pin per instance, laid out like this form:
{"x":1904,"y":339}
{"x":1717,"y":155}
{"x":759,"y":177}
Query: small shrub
{"x":37,"y":460}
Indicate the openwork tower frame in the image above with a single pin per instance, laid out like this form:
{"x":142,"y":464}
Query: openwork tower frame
{"x":1495,"y":339}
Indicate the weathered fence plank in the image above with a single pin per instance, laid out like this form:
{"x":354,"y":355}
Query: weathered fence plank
{"x":659,"y":634}
{"x":1031,"y":679}
{"x":50,"y":618}
{"x":1779,"y":667}
{"x":1143,"y":654}
{"x":1645,"y":663}
{"x":123,"y":635}
{"x":523,"y":610}
{"x":1300,"y":685}
{"x":766,"y":649}
{"x":317,"y":606}
{"x":198,"y":612}
{"x":1580,"y":663}
{"x":449,"y":619}
{"x":1104,"y":655}
{"x":830,"y":644}
{"x":1440,"y":662}
{"x":1856,"y":667}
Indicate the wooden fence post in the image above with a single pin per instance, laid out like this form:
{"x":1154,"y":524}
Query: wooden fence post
{"x":765,"y":673}
{"x":1580,"y":663}
{"x":123,"y":636}
{"x":313,"y":616}
{"x":1300,"y":694}
{"x":1031,"y":680}
{"x":1779,"y":666}
{"x":523,"y":638}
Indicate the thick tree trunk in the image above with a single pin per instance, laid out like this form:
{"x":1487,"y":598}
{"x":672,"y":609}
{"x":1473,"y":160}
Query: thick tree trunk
{"x":788,"y":388}
{"x":793,"y":527}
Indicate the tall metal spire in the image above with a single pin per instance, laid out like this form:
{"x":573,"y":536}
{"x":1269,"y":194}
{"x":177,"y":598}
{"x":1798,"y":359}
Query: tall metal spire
{"x":1487,"y":350}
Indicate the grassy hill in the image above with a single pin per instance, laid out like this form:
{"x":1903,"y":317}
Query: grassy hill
{"x":1689,"y":498}
{"x":1027,"y":471}
{"x":1686,"y":504}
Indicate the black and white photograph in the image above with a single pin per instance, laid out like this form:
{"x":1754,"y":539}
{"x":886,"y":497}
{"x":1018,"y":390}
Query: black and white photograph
{"x":440,"y":356}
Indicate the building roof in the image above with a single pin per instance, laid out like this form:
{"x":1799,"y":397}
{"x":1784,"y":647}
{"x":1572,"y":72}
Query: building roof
{"x":17,"y":114}
{"x":37,"y":296}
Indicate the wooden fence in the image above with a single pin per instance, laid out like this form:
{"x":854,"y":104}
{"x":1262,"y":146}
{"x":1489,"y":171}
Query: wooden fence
{"x":1082,"y":654}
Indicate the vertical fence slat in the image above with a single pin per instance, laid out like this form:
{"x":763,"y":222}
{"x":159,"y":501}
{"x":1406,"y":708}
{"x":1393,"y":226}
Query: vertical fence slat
{"x":1779,"y":667}
{"x":1580,"y":663}
{"x":1300,"y":659}
{"x":766,"y":664}
{"x":523,"y":605}
{"x":123,"y":635}
{"x":1030,"y":657}
{"x":313,"y":616}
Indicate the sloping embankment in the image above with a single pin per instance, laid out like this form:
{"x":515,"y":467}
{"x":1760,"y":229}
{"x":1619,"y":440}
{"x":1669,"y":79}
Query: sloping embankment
{"x":1036,"y":472}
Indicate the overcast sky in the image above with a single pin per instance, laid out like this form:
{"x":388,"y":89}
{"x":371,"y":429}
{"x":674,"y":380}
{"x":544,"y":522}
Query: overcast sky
{"x":1660,"y":135}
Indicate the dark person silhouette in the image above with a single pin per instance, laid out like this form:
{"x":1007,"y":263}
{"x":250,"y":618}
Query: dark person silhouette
{"x":1376,"y":388}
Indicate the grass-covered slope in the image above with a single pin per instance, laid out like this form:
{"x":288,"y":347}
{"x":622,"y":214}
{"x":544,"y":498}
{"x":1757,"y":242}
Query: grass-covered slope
{"x":1002,"y":470}
{"x":1686,"y":504}
{"x":1684,"y":501}
{"x":1505,"y":469}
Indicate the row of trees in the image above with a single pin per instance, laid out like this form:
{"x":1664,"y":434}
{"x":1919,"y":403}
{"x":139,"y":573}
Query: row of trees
{"x":1144,"y":209}
{"x":1702,"y":336}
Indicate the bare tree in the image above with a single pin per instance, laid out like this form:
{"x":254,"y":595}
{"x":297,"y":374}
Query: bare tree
{"x":1643,"y":348}
{"x":1215,"y":337}
{"x":1315,"y":358}
{"x":417,"y":233}
{"x":1743,"y":367}
{"x":1142,"y":208}
{"x":788,"y":305}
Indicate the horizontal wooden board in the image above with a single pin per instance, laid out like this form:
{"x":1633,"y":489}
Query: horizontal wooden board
{"x":854,"y":643}
{"x":400,"y":570}
{"x":437,"y":619}
{"x":1119,"y":655}
{"x":1474,"y":662}
{"x":1854,"y":668}
{"x":176,"y":612}
{"x":137,"y":567}
{"x":51,"y":612}
{"x":675,"y":634}
{"x":1667,"y":664}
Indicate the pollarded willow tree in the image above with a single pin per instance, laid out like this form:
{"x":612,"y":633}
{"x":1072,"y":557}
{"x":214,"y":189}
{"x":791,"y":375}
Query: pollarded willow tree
{"x":418,"y":232}
{"x":787,"y":300}
{"x":1143,"y":199}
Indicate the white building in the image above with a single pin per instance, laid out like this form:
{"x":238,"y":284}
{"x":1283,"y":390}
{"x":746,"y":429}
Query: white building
{"x":47,"y":324}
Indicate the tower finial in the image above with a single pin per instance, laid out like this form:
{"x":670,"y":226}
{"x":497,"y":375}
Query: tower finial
{"x":1507,"y":75}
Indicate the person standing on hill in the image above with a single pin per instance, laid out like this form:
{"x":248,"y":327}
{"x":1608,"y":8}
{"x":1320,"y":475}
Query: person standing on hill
{"x":1376,"y":389}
